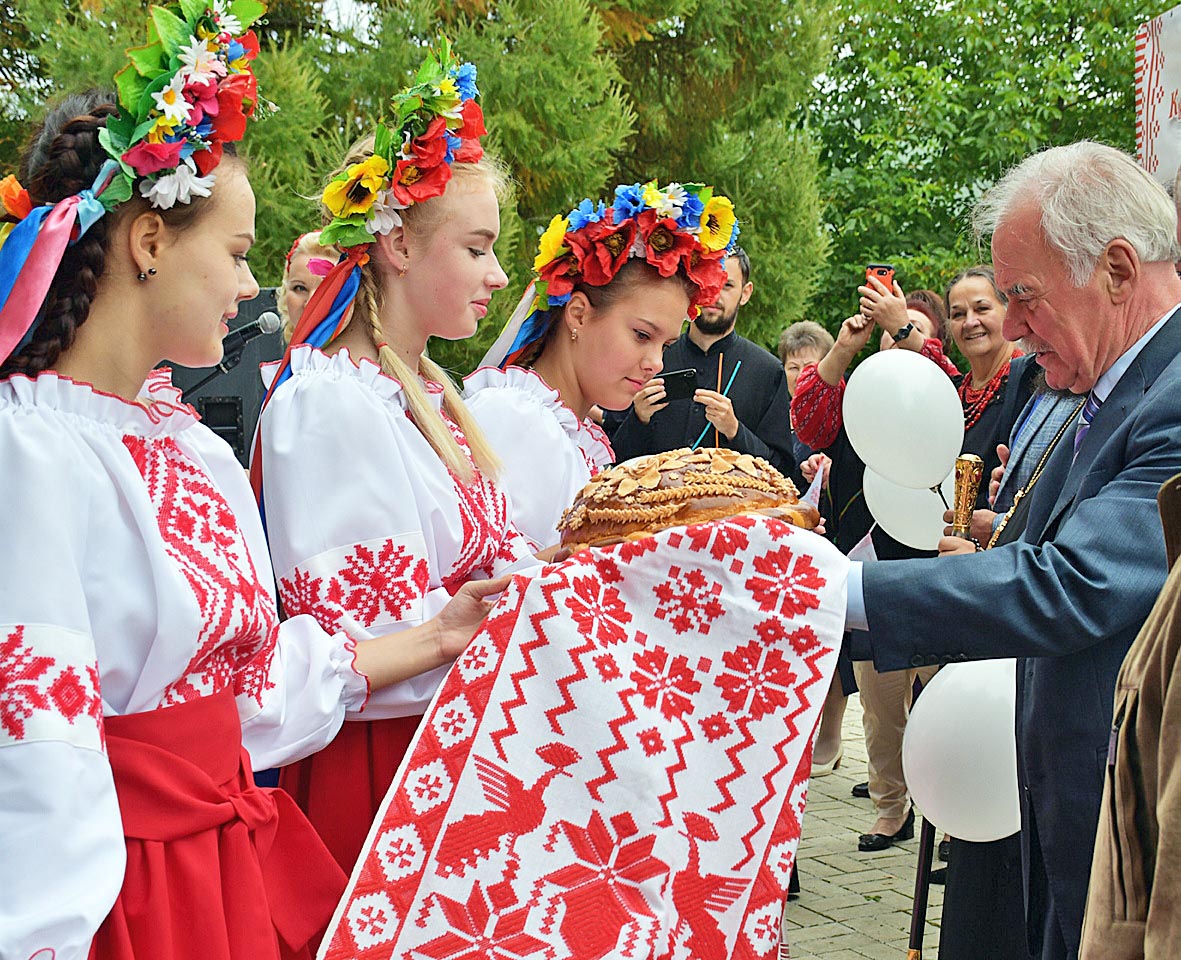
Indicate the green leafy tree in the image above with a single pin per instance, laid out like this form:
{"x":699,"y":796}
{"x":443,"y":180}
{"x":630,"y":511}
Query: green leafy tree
{"x":926,"y":104}
{"x":720,"y":88}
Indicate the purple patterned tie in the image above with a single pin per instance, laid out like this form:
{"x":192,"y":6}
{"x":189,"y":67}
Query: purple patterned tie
{"x":1090,"y":408}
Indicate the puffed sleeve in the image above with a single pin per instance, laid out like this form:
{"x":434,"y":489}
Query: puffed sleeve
{"x":61,"y":838}
{"x":351,"y":521}
{"x":543,"y":469}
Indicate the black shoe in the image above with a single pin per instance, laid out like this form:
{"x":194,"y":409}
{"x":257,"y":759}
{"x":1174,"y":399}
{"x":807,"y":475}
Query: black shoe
{"x":871,"y":842}
{"x":944,"y":850}
{"x":793,"y":884}
{"x":861,"y":790}
{"x":939,"y":876}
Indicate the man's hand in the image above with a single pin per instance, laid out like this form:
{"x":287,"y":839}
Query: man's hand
{"x":980,"y":528}
{"x":458,"y":622}
{"x":815,"y":462}
{"x":719,"y":411}
{"x":950,"y":546}
{"x":998,"y":473}
{"x":649,"y":400}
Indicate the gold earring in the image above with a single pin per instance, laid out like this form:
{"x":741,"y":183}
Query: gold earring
{"x":573,"y":335}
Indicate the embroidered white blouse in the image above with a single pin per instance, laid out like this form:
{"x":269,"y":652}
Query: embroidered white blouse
{"x":368,"y":529}
{"x":547,"y":452}
{"x":135,"y":565}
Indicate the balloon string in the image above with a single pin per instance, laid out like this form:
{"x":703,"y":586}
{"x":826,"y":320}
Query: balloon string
{"x":939,"y":490}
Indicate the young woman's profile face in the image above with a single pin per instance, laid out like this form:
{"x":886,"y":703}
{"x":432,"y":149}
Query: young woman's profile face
{"x":452,"y":272}
{"x":620,"y":347}
{"x":203,"y":274}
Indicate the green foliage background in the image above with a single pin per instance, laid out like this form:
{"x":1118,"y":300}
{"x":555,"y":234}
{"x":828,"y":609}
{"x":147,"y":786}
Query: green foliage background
{"x":845,"y":132}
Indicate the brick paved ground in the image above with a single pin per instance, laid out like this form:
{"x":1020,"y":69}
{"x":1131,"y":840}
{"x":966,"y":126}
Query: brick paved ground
{"x":853,"y":905}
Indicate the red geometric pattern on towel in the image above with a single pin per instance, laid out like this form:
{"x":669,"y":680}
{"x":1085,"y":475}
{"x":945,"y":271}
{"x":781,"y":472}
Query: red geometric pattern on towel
{"x":601,"y":783}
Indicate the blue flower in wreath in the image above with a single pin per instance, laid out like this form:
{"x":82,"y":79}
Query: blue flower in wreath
{"x":465,"y":81}
{"x":586,"y":212}
{"x":690,"y":218}
{"x":629,"y":201}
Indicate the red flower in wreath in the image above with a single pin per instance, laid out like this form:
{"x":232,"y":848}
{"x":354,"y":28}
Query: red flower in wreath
{"x":414,"y":184}
{"x":706,"y":272}
{"x":473,"y":121}
{"x":601,"y":249}
{"x":665,"y":245}
{"x":430,"y":149}
{"x":559,"y":276}
{"x":147,"y":158}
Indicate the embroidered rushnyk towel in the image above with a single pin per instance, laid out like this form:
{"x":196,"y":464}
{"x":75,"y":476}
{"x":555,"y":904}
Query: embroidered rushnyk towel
{"x":617,"y":765}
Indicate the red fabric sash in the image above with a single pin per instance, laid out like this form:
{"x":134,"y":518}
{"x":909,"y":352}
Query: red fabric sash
{"x":217,"y":868}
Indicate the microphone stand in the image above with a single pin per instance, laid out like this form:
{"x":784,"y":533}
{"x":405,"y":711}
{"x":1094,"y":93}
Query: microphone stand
{"x":228,"y":362}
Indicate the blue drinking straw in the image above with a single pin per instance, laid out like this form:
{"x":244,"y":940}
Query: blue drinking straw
{"x":725,"y":392}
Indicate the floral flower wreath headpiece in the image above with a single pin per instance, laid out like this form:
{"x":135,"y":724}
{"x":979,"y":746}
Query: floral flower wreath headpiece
{"x":434,"y":123}
{"x":182,"y":95}
{"x":680,"y":226}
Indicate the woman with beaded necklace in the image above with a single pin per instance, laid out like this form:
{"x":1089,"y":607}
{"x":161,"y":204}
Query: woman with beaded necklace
{"x":142,"y":667}
{"x":374,"y":481}
{"x":614,"y":287}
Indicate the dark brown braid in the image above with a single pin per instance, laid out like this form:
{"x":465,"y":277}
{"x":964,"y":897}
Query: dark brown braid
{"x":62,"y":157}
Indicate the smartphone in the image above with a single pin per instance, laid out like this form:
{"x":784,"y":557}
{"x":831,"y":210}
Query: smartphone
{"x":679,"y":384}
{"x":883,"y":271}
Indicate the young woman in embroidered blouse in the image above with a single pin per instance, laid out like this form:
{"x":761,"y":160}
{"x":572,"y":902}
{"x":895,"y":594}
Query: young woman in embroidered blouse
{"x":596,"y":338}
{"x":139,"y":645}
{"x":376,"y":485}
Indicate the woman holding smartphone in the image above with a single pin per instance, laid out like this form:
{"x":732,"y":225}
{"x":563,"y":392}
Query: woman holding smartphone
{"x":614,"y":286}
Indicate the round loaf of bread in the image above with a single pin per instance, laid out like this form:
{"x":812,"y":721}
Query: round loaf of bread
{"x":643,"y":496}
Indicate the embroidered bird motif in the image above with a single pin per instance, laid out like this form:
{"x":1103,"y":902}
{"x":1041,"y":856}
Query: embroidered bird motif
{"x":696,"y":896}
{"x":516,"y":811}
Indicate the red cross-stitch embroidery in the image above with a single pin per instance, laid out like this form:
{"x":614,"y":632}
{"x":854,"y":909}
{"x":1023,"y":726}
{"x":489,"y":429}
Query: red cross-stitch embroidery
{"x":516,"y":811}
{"x":202,"y":537}
{"x":20,"y":683}
{"x":479,"y":932}
{"x":602,"y":889}
{"x":698,"y":896}
{"x":598,"y":610}
{"x":688,"y":601}
{"x":32,"y":683}
{"x":786,"y":582}
{"x":376,"y":582}
{"x":665,"y":681}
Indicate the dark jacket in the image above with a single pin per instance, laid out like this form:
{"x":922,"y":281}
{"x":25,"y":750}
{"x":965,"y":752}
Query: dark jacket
{"x":759,"y":396}
{"x":1077,"y":588}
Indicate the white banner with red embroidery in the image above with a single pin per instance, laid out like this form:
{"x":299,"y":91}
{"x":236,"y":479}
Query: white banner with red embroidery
{"x":617,"y":765}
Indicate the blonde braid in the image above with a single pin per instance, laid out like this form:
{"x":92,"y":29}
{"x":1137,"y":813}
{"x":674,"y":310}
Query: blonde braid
{"x":487,"y":462}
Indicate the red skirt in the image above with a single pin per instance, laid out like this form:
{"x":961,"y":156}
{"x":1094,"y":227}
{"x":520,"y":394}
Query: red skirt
{"x":341,"y":787}
{"x":217,"y":868}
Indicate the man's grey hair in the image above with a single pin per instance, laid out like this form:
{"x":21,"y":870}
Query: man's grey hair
{"x":1089,"y":194}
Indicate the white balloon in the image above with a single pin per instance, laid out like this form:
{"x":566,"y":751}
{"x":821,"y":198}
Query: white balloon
{"x":913,"y":517}
{"x":904,"y":418}
{"x":959,"y":752}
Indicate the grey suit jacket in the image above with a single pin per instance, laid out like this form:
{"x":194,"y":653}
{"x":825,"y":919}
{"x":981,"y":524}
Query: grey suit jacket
{"x":1069,"y":598}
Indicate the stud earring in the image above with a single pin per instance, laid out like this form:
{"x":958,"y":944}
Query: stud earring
{"x":141,"y":276}
{"x":151,"y":271}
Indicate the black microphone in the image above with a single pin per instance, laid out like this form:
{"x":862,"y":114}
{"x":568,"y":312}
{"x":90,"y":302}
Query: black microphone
{"x":235,"y":340}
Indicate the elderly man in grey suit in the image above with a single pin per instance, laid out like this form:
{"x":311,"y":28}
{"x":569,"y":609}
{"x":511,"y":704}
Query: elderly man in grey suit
{"x":1083,"y":243}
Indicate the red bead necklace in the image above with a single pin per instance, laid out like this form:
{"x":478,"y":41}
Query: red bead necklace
{"x":976,"y":401}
